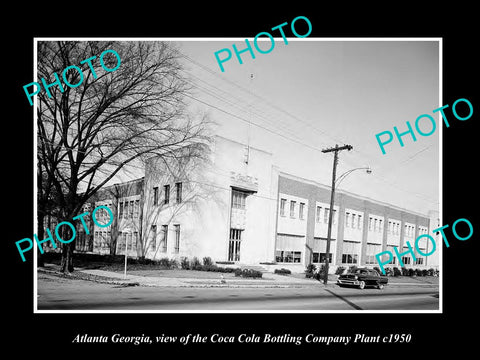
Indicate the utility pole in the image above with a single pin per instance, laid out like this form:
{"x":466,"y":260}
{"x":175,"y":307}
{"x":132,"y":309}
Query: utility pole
{"x":336,"y":149}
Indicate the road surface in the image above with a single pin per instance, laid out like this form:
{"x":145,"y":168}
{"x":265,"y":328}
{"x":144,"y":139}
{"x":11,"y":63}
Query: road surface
{"x":69,"y":294}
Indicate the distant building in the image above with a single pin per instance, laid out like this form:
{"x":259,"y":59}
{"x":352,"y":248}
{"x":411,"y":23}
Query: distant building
{"x":238,"y":208}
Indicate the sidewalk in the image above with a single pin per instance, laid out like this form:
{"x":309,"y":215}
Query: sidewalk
{"x":269,"y":280}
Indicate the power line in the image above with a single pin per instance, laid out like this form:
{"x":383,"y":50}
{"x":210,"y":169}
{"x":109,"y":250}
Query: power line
{"x":260,"y":126}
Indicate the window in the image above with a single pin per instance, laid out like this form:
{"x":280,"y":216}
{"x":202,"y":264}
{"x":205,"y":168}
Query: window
{"x":375,"y":224}
{"x":164,"y":238}
{"x":131,"y":209}
{"x":292,"y":209}
{"x":380,"y":225}
{"x":288,"y":256}
{"x":234,"y":244}
{"x":283,"y":202}
{"x":326,"y":214}
{"x":334,"y":221}
{"x":389,"y":229}
{"x":370,"y":223}
{"x":166,"y":194}
{"x":317,"y":218}
{"x":104,"y":239}
{"x":120,"y":210}
{"x":354,"y":217}
{"x":238,"y":199}
{"x":323,"y":257}
{"x":419,"y":261}
{"x":135,"y":239}
{"x":121,"y":242}
{"x":350,"y":252}
{"x":136,"y":213}
{"x":406,"y":260}
{"x":178,"y":191}
{"x":129,"y":241}
{"x":347,"y":219}
{"x":392,"y":248}
{"x":177,"y":238}
{"x":155,"y":196}
{"x":359,"y":222}
{"x":371,"y":251}
{"x":301,"y":211}
{"x":153,"y":240}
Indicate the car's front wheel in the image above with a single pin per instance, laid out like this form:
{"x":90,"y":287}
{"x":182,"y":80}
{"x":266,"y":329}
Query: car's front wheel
{"x":361,"y":285}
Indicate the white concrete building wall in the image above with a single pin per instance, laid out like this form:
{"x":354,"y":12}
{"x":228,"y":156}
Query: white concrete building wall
{"x":206,"y":214}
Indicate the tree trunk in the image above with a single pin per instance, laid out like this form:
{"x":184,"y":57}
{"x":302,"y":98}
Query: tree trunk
{"x":67,"y":251}
{"x":67,"y":257}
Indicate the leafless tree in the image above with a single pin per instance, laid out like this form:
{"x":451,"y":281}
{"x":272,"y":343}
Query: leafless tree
{"x":89,"y":133}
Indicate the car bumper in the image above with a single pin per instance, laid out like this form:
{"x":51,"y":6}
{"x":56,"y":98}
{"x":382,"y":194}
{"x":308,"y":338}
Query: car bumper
{"x":348,"y":282}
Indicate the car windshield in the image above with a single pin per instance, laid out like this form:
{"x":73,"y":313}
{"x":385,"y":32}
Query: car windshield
{"x":358,"y":271}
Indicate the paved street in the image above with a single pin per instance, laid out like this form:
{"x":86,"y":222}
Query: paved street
{"x":70,"y":294}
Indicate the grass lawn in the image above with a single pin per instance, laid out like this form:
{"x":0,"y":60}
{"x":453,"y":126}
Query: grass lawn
{"x":175,"y":273}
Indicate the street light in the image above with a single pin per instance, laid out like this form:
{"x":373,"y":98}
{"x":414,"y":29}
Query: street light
{"x":367,"y":169}
{"x":332,"y":204}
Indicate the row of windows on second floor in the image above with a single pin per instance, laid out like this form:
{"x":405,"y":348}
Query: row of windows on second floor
{"x":166,"y":196}
{"x":353,"y":220}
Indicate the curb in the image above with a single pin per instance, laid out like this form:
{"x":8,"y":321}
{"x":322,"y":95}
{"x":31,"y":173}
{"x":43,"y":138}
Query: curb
{"x":94,"y":278}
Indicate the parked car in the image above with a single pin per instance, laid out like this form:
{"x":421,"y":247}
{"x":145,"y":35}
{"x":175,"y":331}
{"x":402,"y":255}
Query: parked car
{"x":362,"y":277}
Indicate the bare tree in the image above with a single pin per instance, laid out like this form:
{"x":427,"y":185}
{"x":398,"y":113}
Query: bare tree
{"x":89,"y":133}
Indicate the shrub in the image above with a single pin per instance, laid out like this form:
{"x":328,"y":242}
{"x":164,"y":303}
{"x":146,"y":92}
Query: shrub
{"x":411,"y":272}
{"x":377,"y":269}
{"x":320,"y":272}
{"x":282,"y":271}
{"x":424,"y":272}
{"x":252,"y":273}
{"x":339,"y":270}
{"x":352,"y":268}
{"x":396,"y":272}
{"x":309,"y":271}
{"x":248,"y":273}
{"x":167,"y":263}
{"x":418,"y":272}
{"x":184,"y":263}
{"x":388,"y":272}
{"x":207,"y":261}
{"x":404,"y":271}
{"x":431,"y":271}
{"x":195,"y":264}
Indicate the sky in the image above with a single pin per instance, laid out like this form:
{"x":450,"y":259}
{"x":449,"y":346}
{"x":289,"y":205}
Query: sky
{"x":311,"y":94}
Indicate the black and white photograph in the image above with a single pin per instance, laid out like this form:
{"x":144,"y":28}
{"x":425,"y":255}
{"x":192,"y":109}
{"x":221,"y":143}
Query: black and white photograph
{"x":190,"y":178}
{"x":217,"y":187}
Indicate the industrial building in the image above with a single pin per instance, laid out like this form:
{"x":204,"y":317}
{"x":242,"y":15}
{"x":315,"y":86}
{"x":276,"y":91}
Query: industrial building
{"x":238,"y":207}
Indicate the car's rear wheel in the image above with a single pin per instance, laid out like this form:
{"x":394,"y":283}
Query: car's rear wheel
{"x":380,"y":286}
{"x":361,"y":284}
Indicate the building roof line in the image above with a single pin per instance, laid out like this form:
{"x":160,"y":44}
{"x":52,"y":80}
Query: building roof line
{"x":344,"y":192}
